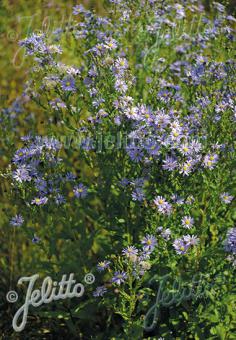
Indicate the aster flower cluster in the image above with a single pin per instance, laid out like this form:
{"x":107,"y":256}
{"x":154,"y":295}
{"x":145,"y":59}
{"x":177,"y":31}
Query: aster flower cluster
{"x":90,"y":23}
{"x":181,"y":139}
{"x":162,"y":205}
{"x":169,"y":132}
{"x":29,"y":158}
{"x":36,"y":168}
{"x":182,"y":244}
{"x":36,"y":45}
{"x":32,"y":163}
{"x":134,"y":263}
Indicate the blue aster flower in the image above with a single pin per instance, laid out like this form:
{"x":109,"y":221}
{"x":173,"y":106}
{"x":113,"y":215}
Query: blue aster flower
{"x":60,"y":199}
{"x":100,"y":291}
{"x":41,"y":185}
{"x":226,"y":197}
{"x":135,"y":153}
{"x":70,"y":176}
{"x":78,"y":9}
{"x":17,"y":221}
{"x":149,"y":242}
{"x":39,"y":201}
{"x":101,"y":266}
{"x":68,"y":84}
{"x":22,"y":174}
{"x":80,"y":191}
{"x":119,"y":277}
{"x":187,"y":222}
{"x":181,"y":246}
{"x":138,"y":194}
{"x":130,"y":251}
